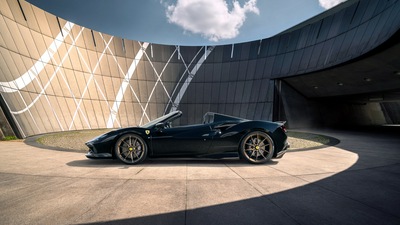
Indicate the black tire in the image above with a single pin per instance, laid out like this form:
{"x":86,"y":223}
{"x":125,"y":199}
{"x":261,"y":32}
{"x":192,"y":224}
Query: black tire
{"x":257,"y":147}
{"x":131,"y":149}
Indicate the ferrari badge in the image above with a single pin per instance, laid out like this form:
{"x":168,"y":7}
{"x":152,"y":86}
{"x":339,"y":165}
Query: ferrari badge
{"x":147,"y":132}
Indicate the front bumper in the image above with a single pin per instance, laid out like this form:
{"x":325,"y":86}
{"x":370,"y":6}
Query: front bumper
{"x":93,"y":155}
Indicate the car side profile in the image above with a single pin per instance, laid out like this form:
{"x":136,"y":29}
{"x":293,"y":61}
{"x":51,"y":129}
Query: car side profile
{"x":218,"y":136}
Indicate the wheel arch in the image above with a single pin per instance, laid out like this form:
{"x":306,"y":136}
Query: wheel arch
{"x":145,"y":139}
{"x":248,"y":131}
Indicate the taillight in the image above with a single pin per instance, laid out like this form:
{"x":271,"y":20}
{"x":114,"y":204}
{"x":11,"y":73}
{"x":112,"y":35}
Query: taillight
{"x":283,"y":128}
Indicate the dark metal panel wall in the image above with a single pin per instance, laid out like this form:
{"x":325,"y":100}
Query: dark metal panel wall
{"x":56,"y":75}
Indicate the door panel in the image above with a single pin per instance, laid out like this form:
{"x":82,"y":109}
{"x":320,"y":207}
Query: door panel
{"x":226,"y":137}
{"x":185,"y":140}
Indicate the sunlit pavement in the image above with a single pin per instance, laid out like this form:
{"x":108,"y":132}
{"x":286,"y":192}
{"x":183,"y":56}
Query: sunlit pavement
{"x":355,"y":182}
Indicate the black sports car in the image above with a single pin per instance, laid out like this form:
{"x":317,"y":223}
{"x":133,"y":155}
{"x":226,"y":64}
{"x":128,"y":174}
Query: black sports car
{"x":219,"y":136}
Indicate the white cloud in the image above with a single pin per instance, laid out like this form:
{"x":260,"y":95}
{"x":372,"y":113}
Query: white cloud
{"x":327,"y":4}
{"x":211,"y":18}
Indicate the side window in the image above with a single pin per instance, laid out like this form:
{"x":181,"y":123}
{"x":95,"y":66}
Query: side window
{"x":174,"y":122}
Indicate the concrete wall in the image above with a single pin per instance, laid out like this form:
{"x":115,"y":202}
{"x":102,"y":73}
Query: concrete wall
{"x":391,"y":111}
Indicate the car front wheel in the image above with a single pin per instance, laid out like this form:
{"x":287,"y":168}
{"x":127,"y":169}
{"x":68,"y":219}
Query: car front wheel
{"x":257,"y":147}
{"x":131,"y":149}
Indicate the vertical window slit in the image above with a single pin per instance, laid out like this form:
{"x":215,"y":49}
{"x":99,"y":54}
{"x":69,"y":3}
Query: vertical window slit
{"x":123,"y":45}
{"x":259,"y":47}
{"x":355,"y":11}
{"x":20,"y":7}
{"x":59,"y":26}
{"x":233,"y":47}
{"x":319,"y":29}
{"x":94,"y":41}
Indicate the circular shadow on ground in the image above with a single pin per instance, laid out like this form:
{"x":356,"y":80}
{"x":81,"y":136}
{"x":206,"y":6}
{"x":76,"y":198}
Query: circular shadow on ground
{"x":201,"y":162}
{"x":33,"y":141}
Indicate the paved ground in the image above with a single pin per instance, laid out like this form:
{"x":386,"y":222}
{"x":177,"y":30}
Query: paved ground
{"x":354,"y":182}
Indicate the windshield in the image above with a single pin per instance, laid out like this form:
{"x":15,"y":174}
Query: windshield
{"x":160,"y":119}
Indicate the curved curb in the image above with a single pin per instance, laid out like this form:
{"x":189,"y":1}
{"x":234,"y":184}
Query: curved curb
{"x":32,"y":141}
{"x":332,"y":142}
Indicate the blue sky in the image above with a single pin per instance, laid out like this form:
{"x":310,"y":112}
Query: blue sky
{"x":187,"y":22}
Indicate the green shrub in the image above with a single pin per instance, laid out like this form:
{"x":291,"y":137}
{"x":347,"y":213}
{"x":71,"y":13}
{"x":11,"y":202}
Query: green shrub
{"x":8,"y":138}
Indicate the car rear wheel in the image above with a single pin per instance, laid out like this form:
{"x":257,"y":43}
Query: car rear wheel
{"x":131,"y":149}
{"x":257,"y":147}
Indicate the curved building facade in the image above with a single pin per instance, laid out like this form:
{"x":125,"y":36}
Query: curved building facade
{"x":56,"y":75}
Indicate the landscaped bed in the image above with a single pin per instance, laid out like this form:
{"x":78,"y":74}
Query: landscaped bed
{"x":75,"y":140}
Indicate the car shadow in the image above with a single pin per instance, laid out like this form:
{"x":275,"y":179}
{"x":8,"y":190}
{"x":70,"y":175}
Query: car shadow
{"x":161,"y":162}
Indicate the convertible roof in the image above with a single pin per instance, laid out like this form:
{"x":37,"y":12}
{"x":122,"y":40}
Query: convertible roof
{"x":211,"y":117}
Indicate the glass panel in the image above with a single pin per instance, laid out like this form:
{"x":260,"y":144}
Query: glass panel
{"x":91,"y":87}
{"x":283,"y":43}
{"x":233,"y":71}
{"x":101,"y":63}
{"x":358,"y":14}
{"x":118,"y":48}
{"x":242,"y":73}
{"x":30,"y":43}
{"x":75,"y":59}
{"x":5,"y":10}
{"x":313,"y":34}
{"x":355,"y":47}
{"x":53,"y":25}
{"x":251,"y":111}
{"x":7,"y":56}
{"x":90,"y":114}
{"x":213,"y":93}
{"x":336,"y":48}
{"x":306,"y":58}
{"x":245,"y":53}
{"x":231,"y":91}
{"x":324,"y":29}
{"x":7,"y":66}
{"x":101,"y":40}
{"x":369,"y":13}
{"x":325,"y":53}
{"x":198,"y":92}
{"x":63,"y":54}
{"x":16,"y":37}
{"x":339,"y":21}
{"x":276,"y":70}
{"x":268,"y":66}
{"x":6,"y":34}
{"x":247,"y":91}
{"x":239,"y":92}
{"x":99,"y":113}
{"x":15,"y":11}
{"x":259,"y":72}
{"x":315,"y":55}
{"x":296,"y":61}
{"x":303,"y":37}
{"x":273,"y":46}
{"x":225,"y":72}
{"x":42,"y":21}
{"x":208,"y":69}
